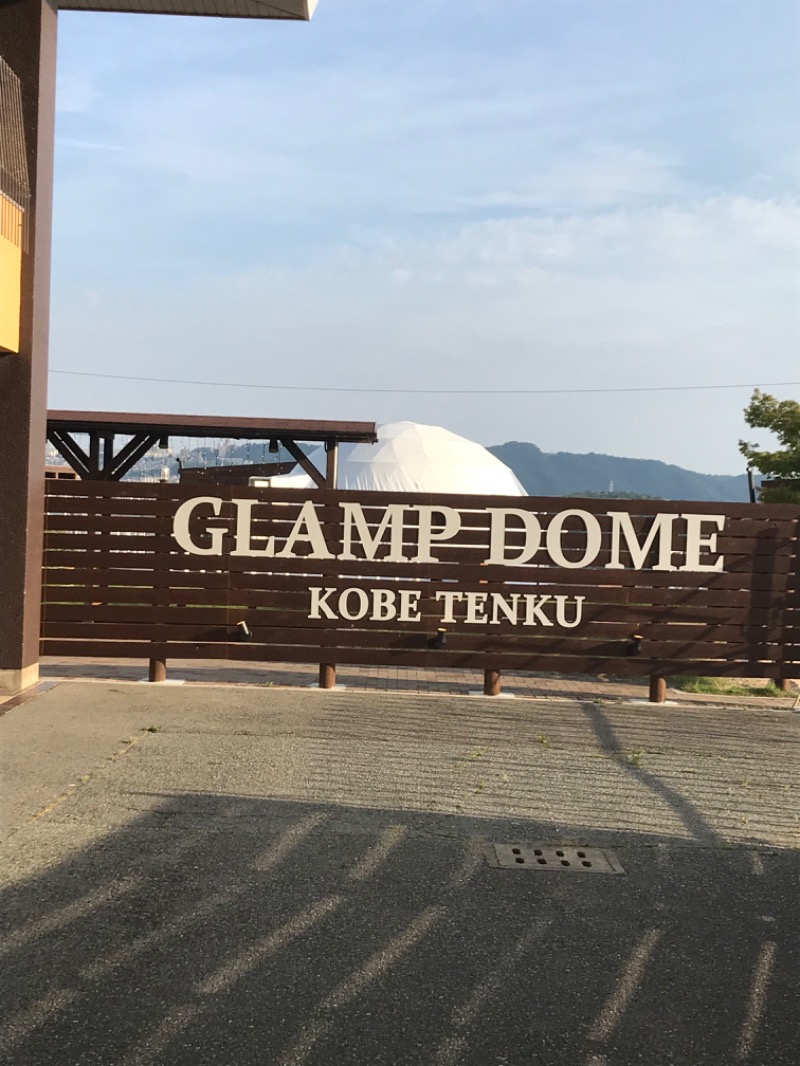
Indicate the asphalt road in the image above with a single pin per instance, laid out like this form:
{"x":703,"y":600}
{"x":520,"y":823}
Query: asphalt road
{"x":245,"y":877}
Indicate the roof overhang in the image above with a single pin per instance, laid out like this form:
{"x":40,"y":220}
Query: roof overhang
{"x":252,"y":9}
{"x":104,"y":462}
{"x":211,"y":426}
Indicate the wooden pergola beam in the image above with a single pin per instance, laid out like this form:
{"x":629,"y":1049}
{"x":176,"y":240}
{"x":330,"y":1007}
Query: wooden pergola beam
{"x":129,"y":455}
{"x":71,"y":451}
{"x":147,"y":430}
{"x":101,"y":464}
{"x":300,"y":456}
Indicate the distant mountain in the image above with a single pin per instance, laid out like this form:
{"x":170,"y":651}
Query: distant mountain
{"x":541,"y":473}
{"x":572,"y":474}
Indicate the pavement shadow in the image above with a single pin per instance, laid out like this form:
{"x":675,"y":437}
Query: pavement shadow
{"x":214,"y":930}
{"x":688,"y":814}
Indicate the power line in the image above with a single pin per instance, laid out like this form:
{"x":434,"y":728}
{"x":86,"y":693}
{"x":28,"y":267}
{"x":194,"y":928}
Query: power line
{"x":422,"y":392}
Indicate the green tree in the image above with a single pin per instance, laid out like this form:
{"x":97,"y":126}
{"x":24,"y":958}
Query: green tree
{"x":781,"y":417}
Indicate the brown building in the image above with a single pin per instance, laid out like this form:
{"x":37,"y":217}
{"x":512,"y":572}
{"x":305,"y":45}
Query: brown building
{"x":28,"y":50}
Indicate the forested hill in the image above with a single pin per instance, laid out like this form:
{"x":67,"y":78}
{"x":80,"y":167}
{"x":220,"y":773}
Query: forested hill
{"x":568,"y":473}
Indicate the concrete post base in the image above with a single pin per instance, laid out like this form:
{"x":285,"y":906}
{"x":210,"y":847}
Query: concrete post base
{"x":14,"y":681}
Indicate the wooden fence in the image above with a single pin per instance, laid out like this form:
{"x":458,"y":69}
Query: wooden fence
{"x":117,"y":582}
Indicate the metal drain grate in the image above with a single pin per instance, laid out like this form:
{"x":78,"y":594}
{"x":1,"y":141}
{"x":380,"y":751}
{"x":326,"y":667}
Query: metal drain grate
{"x":558,"y":858}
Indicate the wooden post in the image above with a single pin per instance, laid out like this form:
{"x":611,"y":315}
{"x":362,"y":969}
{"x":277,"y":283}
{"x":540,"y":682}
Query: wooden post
{"x":327,"y":671}
{"x":327,"y":675}
{"x":658,"y":689}
{"x":157,"y":670}
{"x":491,"y":682}
{"x":784,"y":684}
{"x":331,"y":463}
{"x":94,"y":456}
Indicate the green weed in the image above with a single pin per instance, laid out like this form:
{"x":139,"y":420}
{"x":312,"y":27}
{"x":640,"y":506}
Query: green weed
{"x":724,"y":686}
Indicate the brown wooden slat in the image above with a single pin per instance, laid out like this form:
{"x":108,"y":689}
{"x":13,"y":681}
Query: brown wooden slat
{"x":282,"y":595}
{"x":601,"y":620}
{"x":161,"y":509}
{"x":63,"y":576}
{"x":221,"y":616}
{"x":157,"y":614}
{"x":735,"y":540}
{"x":100,"y":513}
{"x":187,"y":588}
{"x":565,"y":664}
{"x":94,"y":524}
{"x":62,"y":581}
{"x":541,"y":644}
{"x":267,"y":515}
{"x":764,"y":612}
{"x":271,"y":517}
{"x":165,"y":547}
{"x":543,"y":505}
{"x":636,"y":620}
{"x":103,"y":543}
{"x":741,"y":575}
{"x":156,"y":598}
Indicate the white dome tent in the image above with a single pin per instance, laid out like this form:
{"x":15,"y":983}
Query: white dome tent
{"x":410,"y":457}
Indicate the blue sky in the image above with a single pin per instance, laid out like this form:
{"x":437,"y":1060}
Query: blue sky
{"x":436,"y":194}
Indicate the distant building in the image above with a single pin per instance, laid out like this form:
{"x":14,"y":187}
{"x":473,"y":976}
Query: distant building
{"x":59,"y":473}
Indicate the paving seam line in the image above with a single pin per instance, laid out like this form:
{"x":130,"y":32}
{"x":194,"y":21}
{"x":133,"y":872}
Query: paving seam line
{"x":71,"y":789}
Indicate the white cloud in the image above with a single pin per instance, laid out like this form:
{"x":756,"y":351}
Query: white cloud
{"x":723,"y":240}
{"x":595,"y":177}
{"x":690,"y":295}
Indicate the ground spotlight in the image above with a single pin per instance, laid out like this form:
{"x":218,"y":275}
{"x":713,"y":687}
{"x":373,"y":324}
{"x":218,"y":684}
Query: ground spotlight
{"x":634,"y":644}
{"x":440,"y":640}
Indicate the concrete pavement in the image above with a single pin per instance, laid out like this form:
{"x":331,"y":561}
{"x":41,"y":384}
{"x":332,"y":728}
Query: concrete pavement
{"x":237,"y":875}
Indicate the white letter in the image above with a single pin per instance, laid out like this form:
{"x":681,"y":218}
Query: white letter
{"x":497,"y":541}
{"x":561,"y":614}
{"x":319,"y":603}
{"x":392,"y":516}
{"x":244,"y":523}
{"x":180,"y":526}
{"x":409,"y":601}
{"x":593,"y":539}
{"x":500,"y":603}
{"x":450,"y":598}
{"x":383,"y":608}
{"x":696,"y":540}
{"x":363,"y":604}
{"x":534,"y":608}
{"x":661,"y":528}
{"x":307,"y":518}
{"x":452,"y":524}
{"x":476,"y":602}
